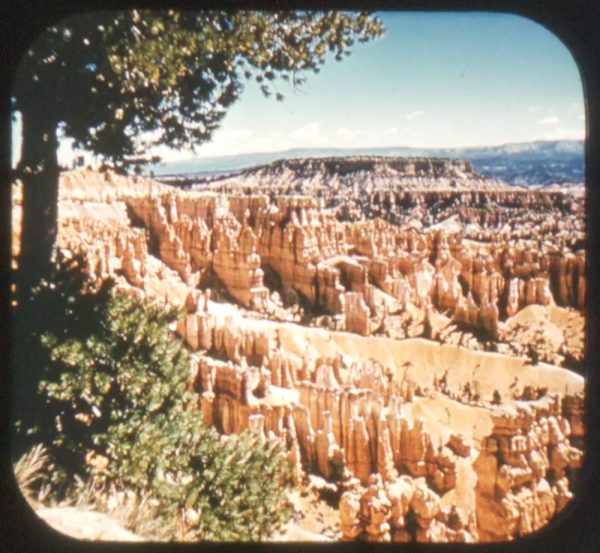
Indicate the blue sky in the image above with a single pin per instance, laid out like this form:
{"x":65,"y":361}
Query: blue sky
{"x":433,"y":80}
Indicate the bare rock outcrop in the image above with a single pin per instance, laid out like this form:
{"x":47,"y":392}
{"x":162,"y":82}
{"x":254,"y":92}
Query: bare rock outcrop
{"x":522,"y":469}
{"x":404,"y":510}
{"x":320,"y":307}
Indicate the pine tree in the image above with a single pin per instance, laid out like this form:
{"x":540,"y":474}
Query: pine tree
{"x":119,"y":394}
{"x":118,"y":82}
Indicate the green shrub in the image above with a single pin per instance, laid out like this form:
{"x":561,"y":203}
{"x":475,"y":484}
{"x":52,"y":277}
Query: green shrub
{"x":66,"y":307}
{"x":124,"y":416}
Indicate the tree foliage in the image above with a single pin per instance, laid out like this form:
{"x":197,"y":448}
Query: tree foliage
{"x":117,"y":76}
{"x":68,"y":309}
{"x":124,"y":416}
{"x":118,"y":82}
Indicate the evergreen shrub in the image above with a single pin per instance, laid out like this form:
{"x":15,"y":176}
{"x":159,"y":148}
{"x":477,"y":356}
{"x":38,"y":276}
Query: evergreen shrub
{"x":124,"y":417}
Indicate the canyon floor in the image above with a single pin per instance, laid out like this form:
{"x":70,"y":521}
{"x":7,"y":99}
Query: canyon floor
{"x":412,"y":331}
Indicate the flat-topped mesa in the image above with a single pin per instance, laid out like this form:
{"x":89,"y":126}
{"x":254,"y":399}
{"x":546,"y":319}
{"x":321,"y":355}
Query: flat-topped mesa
{"x":371,"y":276}
{"x":343,"y":173}
{"x":359,"y":272}
{"x":379,"y":165}
{"x":403,"y":190}
{"x":356,"y":402}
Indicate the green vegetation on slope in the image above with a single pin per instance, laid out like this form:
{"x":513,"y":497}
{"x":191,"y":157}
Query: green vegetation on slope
{"x":123,"y":417}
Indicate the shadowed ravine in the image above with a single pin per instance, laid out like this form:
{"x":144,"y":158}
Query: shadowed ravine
{"x":412,"y":345}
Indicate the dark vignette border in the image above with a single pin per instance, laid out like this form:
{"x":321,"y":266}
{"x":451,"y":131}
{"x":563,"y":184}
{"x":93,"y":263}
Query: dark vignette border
{"x":574,"y":22}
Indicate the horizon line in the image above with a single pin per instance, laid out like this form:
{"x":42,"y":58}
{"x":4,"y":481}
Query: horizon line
{"x":359,"y":148}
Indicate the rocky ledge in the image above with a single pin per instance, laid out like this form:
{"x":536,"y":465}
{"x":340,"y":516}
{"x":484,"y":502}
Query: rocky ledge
{"x":412,"y":346}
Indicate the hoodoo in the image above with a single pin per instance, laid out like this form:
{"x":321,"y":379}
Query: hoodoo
{"x":407,"y":327}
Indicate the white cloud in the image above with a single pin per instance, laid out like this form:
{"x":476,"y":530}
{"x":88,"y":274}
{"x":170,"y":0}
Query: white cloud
{"x":346,"y":133}
{"x":310,"y":131}
{"x":533,"y":109}
{"x":410,"y":116}
{"x":550,"y":120}
{"x":561,"y":133}
{"x":391,"y":130}
{"x":241,"y":133}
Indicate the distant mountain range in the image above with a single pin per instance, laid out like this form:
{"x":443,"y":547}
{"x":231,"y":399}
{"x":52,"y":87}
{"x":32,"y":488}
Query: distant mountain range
{"x":528,"y":163}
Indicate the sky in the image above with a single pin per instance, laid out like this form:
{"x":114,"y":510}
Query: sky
{"x":433,"y":80}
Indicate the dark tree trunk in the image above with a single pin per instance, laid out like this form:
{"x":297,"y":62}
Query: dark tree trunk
{"x":39,"y":172}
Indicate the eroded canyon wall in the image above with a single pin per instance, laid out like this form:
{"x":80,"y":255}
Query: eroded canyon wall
{"x":362,"y":269}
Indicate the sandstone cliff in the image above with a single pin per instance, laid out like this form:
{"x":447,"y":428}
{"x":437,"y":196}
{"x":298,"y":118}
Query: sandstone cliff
{"x":347,"y":316}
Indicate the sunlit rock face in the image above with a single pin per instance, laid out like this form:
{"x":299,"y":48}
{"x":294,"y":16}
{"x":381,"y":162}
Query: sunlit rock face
{"x":523,"y":467}
{"x":406,"y":327}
